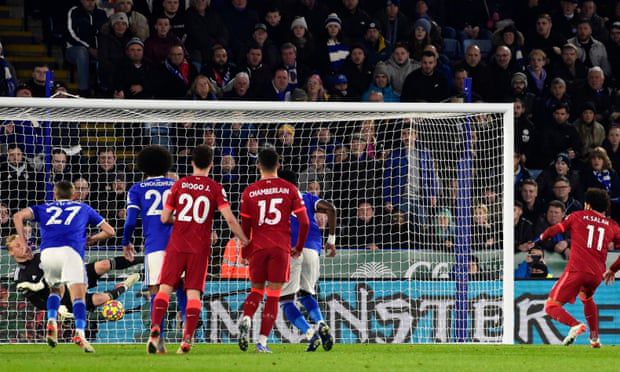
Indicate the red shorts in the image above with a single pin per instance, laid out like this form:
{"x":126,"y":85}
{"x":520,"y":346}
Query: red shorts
{"x":195,"y":268}
{"x":270,"y":265}
{"x":571,"y":283}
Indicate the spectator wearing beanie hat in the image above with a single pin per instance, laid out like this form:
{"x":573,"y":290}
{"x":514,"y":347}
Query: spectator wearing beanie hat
{"x":381,"y":83}
{"x":592,"y":132}
{"x":304,"y":41}
{"x":377,"y":47}
{"x":138,"y":24}
{"x":334,"y":51}
{"x":394,"y":24}
{"x":518,"y":89}
{"x":112,"y":49}
{"x":420,"y":38}
{"x":133,"y":76}
{"x":561,"y":166}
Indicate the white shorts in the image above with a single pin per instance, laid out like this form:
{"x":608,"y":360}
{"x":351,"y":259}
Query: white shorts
{"x":63,"y":265}
{"x":304,"y":274}
{"x":152,"y":267}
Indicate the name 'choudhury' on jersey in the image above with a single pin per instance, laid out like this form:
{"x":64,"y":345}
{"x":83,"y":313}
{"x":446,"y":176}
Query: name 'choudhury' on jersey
{"x":591,"y":234}
{"x":64,"y":223}
{"x":315,"y":238}
{"x":148,"y":198}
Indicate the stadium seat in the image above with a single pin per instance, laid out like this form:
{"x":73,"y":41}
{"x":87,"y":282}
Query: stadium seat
{"x":485,"y":46}
{"x":452,"y":49}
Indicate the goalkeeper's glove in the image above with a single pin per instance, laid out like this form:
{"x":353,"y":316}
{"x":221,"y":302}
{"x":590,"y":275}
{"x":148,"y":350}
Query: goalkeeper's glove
{"x":29,"y":286}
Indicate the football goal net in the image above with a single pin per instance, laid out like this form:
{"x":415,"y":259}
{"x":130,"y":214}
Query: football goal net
{"x":423,"y":194}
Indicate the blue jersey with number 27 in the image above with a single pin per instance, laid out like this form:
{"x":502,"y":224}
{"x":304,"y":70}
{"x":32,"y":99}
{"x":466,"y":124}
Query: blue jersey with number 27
{"x":64,"y":223}
{"x":149,"y":197}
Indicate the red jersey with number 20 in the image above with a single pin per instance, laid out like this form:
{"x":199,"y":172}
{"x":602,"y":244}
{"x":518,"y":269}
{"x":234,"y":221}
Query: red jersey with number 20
{"x":591,"y":233}
{"x":268,"y":204}
{"x":194,"y":199}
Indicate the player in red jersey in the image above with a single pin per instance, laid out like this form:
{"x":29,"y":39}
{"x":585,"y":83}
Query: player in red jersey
{"x":194,"y":199}
{"x":591,"y":234}
{"x":266,"y":206}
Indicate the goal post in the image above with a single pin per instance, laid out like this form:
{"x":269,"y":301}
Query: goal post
{"x":424,"y":194}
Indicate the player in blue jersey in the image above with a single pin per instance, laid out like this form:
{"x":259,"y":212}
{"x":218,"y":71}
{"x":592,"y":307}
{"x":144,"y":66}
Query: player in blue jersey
{"x":305,"y":270}
{"x":146,"y":199}
{"x":64,"y":234}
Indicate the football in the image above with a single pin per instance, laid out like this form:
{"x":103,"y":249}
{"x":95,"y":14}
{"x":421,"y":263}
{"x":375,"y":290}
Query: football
{"x":113,"y":310}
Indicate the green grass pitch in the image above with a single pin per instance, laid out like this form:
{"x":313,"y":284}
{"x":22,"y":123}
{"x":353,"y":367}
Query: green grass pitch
{"x":350,"y":358}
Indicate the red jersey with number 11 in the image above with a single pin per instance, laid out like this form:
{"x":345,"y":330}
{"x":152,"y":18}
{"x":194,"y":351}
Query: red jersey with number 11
{"x":591,"y":233}
{"x":194,"y":199}
{"x":268,"y":205}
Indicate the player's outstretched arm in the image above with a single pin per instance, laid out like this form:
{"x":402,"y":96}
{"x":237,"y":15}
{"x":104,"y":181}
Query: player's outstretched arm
{"x":329,"y":209}
{"x":18,"y":221}
{"x":105,"y":231}
{"x":233,"y":224}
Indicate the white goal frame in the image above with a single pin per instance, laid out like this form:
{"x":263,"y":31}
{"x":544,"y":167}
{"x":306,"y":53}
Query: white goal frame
{"x":201,"y":111}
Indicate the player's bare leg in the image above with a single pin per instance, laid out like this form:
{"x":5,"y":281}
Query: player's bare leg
{"x":192,"y":316}
{"x":249,"y":309}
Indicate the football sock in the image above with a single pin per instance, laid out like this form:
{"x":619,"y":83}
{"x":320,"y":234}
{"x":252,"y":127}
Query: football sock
{"x":53,"y":303}
{"x":120,"y":263}
{"x":79,"y":312}
{"x":312,"y":307}
{"x":591,"y":312}
{"x":194,"y":306}
{"x":270,"y":312}
{"x":558,"y":313}
{"x":160,"y":307}
{"x":292,"y":313}
{"x":252,"y":301}
{"x":116,"y":292}
{"x":182,"y":301}
{"x":161,"y":325}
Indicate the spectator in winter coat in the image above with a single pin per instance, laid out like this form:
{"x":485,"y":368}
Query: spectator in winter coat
{"x":204,"y":28}
{"x":425,"y":84}
{"x":589,"y":50}
{"x":133,"y":77}
{"x":381,"y":84}
{"x":84,"y":22}
{"x":358,"y":70}
{"x":399,"y":66}
{"x":591,"y":132}
{"x":112,"y":49}
{"x":175,"y":76}
{"x":138,"y":24}
{"x":157,"y":46}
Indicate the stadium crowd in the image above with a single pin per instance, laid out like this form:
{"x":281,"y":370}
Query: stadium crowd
{"x":557,"y":60}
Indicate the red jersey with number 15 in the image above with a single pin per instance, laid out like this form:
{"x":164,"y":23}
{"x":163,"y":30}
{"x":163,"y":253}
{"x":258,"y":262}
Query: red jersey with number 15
{"x":591,"y":233}
{"x":194,"y":199}
{"x":268,"y":204}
